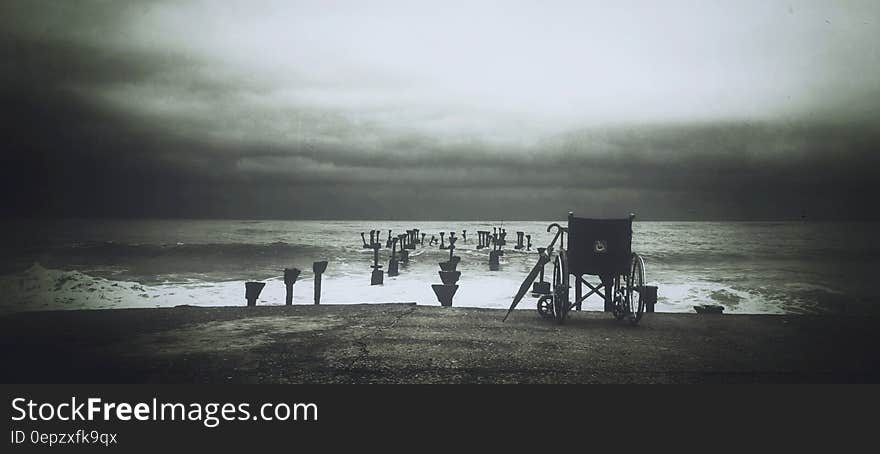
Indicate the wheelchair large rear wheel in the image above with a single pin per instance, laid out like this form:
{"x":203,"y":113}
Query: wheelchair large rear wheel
{"x":560,"y":287}
{"x":635,"y":285}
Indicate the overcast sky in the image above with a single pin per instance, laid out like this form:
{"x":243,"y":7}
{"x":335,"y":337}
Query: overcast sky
{"x":440,"y":110}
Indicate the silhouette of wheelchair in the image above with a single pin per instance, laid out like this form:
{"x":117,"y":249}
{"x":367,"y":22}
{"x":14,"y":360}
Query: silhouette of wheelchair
{"x":595,"y":247}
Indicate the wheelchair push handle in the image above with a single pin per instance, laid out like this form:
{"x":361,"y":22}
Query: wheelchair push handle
{"x":560,"y":230}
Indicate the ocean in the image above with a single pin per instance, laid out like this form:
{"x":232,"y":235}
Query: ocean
{"x":747,"y":267}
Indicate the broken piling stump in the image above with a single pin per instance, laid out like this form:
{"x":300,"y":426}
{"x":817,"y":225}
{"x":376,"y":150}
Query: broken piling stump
{"x":404,"y":254}
{"x":519,"y":240}
{"x":483,"y":240}
{"x":649,"y":293}
{"x":318,"y":268}
{"x":378,"y":276}
{"x":393,"y":269}
{"x":494,"y":260}
{"x":290,"y":276}
{"x":411,"y":239}
{"x":449,"y":277}
{"x":252,"y":292}
{"x":444,"y":293}
{"x":451,"y":264}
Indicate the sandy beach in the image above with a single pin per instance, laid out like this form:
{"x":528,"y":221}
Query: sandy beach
{"x":406,"y":343}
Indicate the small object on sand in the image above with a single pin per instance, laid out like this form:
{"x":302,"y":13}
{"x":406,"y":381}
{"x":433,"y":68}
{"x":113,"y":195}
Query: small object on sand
{"x":709,"y":309}
{"x":252,"y":292}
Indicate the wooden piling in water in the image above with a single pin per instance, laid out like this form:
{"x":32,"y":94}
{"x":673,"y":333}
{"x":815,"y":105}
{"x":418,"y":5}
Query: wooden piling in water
{"x":649,"y":293}
{"x":378,"y":276}
{"x":483,"y":241}
{"x":290,"y":276}
{"x":519,"y":240}
{"x":252,"y":292}
{"x":452,"y":240}
{"x":444,"y":293}
{"x":404,"y":254}
{"x":494,"y":261}
{"x":318,"y":268}
{"x":411,"y":239}
{"x":392,"y":262}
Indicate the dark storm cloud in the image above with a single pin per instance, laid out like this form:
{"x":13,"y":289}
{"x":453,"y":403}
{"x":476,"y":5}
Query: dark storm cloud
{"x":99,"y":121}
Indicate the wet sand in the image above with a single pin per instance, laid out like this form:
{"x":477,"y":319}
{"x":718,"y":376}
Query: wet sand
{"x":405,"y":343}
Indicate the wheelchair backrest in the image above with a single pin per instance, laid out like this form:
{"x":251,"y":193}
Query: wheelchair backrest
{"x":601,"y":247}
